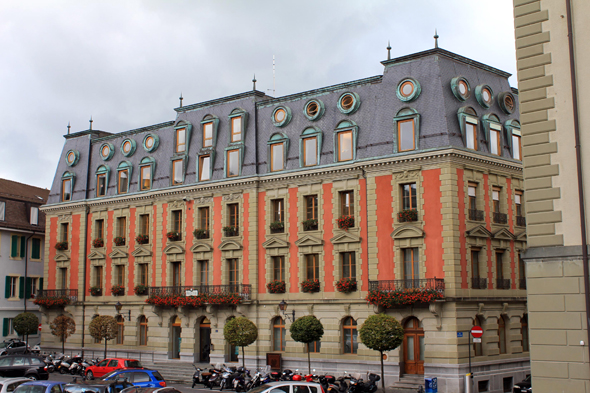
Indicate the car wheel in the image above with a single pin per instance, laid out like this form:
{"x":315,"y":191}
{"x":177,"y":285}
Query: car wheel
{"x":33,"y":377}
{"x":89,"y":375}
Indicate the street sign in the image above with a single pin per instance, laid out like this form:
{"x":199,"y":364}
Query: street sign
{"x":459,"y":334}
{"x":476,"y":339}
{"x":476,"y":331}
{"x":39,"y":327}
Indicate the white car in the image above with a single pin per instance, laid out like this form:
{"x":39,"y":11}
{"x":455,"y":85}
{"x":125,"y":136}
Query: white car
{"x":7,"y":385}
{"x":287,"y":387}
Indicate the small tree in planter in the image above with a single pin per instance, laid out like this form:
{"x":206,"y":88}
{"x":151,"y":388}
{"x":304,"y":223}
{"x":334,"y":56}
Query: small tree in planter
{"x":103,"y":327}
{"x":98,"y":243}
{"x":310,"y":286}
{"x":61,"y":246}
{"x":117,"y":290}
{"x":119,"y":241}
{"x":381,"y":333}
{"x":26,"y":323}
{"x":306,"y":330}
{"x":345,"y":222}
{"x":95,"y":291}
{"x":201,"y":234}
{"x":141,"y":289}
{"x":346,"y":285}
{"x":276,"y":286}
{"x":63,"y":327}
{"x":173,"y":236}
{"x":240,"y":332}
{"x":142,"y":239}
{"x":310,"y":224}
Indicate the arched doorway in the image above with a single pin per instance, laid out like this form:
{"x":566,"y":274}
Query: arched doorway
{"x":204,"y":340}
{"x":176,"y":331}
{"x":413,"y":347}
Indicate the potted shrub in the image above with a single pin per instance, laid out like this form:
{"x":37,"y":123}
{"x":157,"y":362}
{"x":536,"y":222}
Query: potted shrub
{"x":201,"y":234}
{"x":346,"y":285}
{"x":311,"y":224}
{"x":277,"y":226}
{"x":142,"y":239}
{"x":119,"y":241}
{"x":407,"y":215}
{"x":61,"y":246}
{"x":276,"y":286}
{"x":98,"y":243}
{"x":117,"y":290}
{"x":310,"y":286}
{"x":95,"y":291}
{"x":173,"y":236}
{"x":140,"y":289}
{"x":345,"y":222}
{"x":230,"y":231}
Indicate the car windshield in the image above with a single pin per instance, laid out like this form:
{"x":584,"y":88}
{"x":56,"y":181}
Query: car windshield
{"x":30,"y":389}
{"x":133,"y":364}
{"x":83,"y":389}
{"x":259,"y":388}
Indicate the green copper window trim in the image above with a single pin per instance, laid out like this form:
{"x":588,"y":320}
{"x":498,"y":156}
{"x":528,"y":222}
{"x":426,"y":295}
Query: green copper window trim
{"x":240,"y":148}
{"x":211,"y":154}
{"x":464,"y":115}
{"x":287,"y":118}
{"x":489,"y":121}
{"x":320,"y":112}
{"x":209,"y":119}
{"x":310,"y":132}
{"x":76,"y":155}
{"x":154,"y":146}
{"x":106,"y":171}
{"x":502,"y":98}
{"x":402,"y":115}
{"x":345,"y":125}
{"x":512,"y":127}
{"x":111,"y":149}
{"x":479,"y":95}
{"x":238,"y":112}
{"x":415,"y":92}
{"x":356,"y":103}
{"x":188,"y":127}
{"x":277,"y":138}
{"x":72,"y":178}
{"x":455,"y":88}
{"x":184,"y":164}
{"x":147,"y":161}
{"x":124,"y":165}
{"x":133,"y":147}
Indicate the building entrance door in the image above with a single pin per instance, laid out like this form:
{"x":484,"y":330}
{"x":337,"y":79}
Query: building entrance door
{"x":176,"y":338}
{"x":413,"y":347}
{"x":205,"y":340}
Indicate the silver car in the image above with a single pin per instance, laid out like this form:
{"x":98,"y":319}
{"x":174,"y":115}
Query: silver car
{"x":288,"y":387}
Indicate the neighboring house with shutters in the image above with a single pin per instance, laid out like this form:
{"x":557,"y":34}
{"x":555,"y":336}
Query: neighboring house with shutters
{"x":22,"y":234}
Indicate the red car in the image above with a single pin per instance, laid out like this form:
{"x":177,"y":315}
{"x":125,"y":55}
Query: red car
{"x":111,"y":364}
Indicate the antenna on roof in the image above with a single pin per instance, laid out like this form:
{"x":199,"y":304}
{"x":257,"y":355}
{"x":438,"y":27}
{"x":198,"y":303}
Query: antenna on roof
{"x":435,"y":39}
{"x":254,"y":83}
{"x":69,"y":128}
{"x":273,"y":77}
{"x":388,"y":50}
{"x":91,"y":123}
{"x":180,"y":98}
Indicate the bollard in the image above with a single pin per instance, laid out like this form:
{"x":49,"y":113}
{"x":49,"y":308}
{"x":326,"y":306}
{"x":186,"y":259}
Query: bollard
{"x":468,"y":383}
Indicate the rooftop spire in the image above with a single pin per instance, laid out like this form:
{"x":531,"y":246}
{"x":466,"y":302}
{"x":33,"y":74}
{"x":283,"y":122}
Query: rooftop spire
{"x":69,"y":128}
{"x":388,"y":50}
{"x":180,"y":98}
{"x":254,"y":83}
{"x":91,"y":123}
{"x":435,"y":39}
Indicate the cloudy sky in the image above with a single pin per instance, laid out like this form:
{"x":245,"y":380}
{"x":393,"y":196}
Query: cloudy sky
{"x":125,"y":63}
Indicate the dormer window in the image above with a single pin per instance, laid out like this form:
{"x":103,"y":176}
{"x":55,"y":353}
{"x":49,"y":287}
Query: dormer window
{"x":468,"y":123}
{"x":513,"y":135}
{"x":313,"y":109}
{"x":72,"y":157}
{"x":205,"y":167}
{"x":345,"y":137}
{"x":484,"y":95}
{"x":181,"y":140}
{"x":493,"y":133}
{"x":107,"y":150}
{"x":34,"y":215}
{"x":67,"y":185}
{"x":237,"y":119}
{"x":281,"y":116}
{"x":128,"y":147}
{"x":507,"y":102}
{"x":348,"y":103}
{"x":278,"y":146}
{"x":407,"y":127}
{"x":310,"y":147}
{"x":209,"y":126}
{"x":460,"y":88}
{"x":102,"y":180}
{"x":182,"y":136}
{"x":233,"y":162}
{"x":208,"y":134}
{"x":408,"y":90}
{"x":123,"y":176}
{"x":177,"y":171}
{"x":151,"y":142}
{"x":147,"y":167}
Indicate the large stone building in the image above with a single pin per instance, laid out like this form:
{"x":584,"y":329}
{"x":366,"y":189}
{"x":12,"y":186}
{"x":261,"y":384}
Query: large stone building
{"x":553,"y":77}
{"x":405,"y":184}
{"x":22,"y":251}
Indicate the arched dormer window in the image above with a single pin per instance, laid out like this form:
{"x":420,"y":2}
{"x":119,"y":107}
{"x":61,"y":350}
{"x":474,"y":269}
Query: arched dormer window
{"x":124,"y":171}
{"x":102,"y":180}
{"x":407,"y":130}
{"x":345,"y":140}
{"x":234,"y":159}
{"x":492,"y":131}
{"x":209,"y":126}
{"x":237,"y":125}
{"x":310,"y":147}
{"x":147,"y":169}
{"x":182,"y":137}
{"x":278,"y":146}
{"x":67,"y":186}
{"x":513,"y":135}
{"x":468,"y":123}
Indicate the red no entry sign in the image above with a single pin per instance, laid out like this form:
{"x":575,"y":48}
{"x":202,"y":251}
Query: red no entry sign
{"x":477,"y":331}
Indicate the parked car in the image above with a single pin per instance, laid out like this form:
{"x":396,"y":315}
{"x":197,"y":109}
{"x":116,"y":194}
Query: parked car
{"x":9,"y":385}
{"x":12,"y":346}
{"x":111,"y":364}
{"x":138,"y":377}
{"x":96,"y":386}
{"x":28,"y":366}
{"x":40,"y":387}
{"x":524,"y":386}
{"x":136,"y":389}
{"x":288,"y":387}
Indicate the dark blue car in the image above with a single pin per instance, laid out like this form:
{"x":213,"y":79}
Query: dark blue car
{"x":40,"y":387}
{"x":138,"y":377}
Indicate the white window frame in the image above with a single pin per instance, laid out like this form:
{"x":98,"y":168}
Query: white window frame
{"x":34,"y":215}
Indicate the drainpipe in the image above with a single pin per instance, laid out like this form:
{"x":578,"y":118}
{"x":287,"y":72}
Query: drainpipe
{"x":570,"y":36}
{"x":27,"y":264}
{"x":366,"y":218}
{"x":85,"y":266}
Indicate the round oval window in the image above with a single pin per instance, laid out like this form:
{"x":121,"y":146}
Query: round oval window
{"x":487,"y":97}
{"x":149,"y":142}
{"x":509,"y":103}
{"x":407,"y":89}
{"x":280,"y":115}
{"x":71,"y":157}
{"x":105,"y":151}
{"x":312,"y":108}
{"x":462,"y":88}
{"x":347,"y":101}
{"x":127,"y":146}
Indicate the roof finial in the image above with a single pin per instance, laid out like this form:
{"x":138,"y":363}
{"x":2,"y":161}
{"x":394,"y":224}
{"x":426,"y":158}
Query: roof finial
{"x":388,"y":50}
{"x":69,"y":128}
{"x":91,"y":123}
{"x":435,"y":39}
{"x":254,"y":83}
{"x":180,"y":98}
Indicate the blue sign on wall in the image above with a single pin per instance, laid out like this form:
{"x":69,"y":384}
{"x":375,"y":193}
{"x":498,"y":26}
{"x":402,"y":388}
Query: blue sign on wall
{"x":459,"y":334}
{"x":431,"y":385}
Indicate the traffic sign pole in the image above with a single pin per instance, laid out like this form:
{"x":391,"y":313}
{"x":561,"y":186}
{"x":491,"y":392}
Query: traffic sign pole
{"x":476,"y":332}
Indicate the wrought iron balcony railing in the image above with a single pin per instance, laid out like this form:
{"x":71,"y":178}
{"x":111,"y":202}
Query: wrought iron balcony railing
{"x":244,"y":290}
{"x":500,"y":218}
{"x":479,"y":283}
{"x":476,"y":215}
{"x":520,"y":221}
{"x":522,"y":283}
{"x":437,"y":284}
{"x":502,"y":283}
{"x":70,"y":294}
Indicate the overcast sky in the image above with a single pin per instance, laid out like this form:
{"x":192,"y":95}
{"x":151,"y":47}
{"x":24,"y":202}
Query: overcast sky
{"x":125,"y":63}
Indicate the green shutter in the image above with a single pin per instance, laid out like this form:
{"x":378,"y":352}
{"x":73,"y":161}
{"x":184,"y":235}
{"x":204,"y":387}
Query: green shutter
{"x":14,"y":248}
{"x":28,"y":288}
{"x":7,"y":288}
{"x":23,"y":242}
{"x":40,"y":284}
{"x":5,"y":324}
{"x":21,"y":287}
{"x":36,"y":249}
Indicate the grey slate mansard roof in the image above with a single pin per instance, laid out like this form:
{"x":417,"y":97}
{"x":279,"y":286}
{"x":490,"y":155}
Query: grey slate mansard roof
{"x":436,"y":104}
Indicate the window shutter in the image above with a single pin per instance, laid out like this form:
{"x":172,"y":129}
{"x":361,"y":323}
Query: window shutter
{"x":40,"y":284}
{"x":14,"y":248}
{"x":34,"y":215}
{"x":36,"y":249}
{"x":21,"y":287}
{"x":2,"y":209}
{"x":7,"y":287}
{"x":5,"y":324}
{"x":23,"y":243}
{"x":28,"y":288}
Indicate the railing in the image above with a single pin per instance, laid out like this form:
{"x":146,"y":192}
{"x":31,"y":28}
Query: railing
{"x":520,"y":221}
{"x":500,"y":218}
{"x":476,"y":215}
{"x":522,"y":283}
{"x":407,"y":215}
{"x":437,"y":284}
{"x":71,"y":294}
{"x":243,"y":290}
{"x":479,"y":283}
{"x":502,"y":283}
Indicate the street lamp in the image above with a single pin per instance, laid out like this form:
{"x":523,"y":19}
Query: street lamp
{"x":283,"y":308}
{"x":118,"y":307}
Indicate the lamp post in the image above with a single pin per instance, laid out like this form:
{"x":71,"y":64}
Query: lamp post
{"x":118,"y":307}
{"x":283,"y":307}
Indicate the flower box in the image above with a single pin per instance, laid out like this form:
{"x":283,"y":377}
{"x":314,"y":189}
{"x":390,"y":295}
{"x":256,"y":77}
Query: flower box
{"x":142,"y":239}
{"x":310,"y":225}
{"x":117,"y":290}
{"x":61,"y":246}
{"x":98,"y":243}
{"x":276,"y":286}
{"x":141,"y":289}
{"x":201,"y":234}
{"x":346,"y":285}
{"x":230,"y":231}
{"x":173,"y":236}
{"x":345,"y":222}
{"x":119,"y":241}
{"x":277,"y":227}
{"x":194,"y":301}
{"x":402,"y":297}
{"x":95,"y":291}
{"x":49,"y":302}
{"x":407,"y":215}
{"x":310,"y":286}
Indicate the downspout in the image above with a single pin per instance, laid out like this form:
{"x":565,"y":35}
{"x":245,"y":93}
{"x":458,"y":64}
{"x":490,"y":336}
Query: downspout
{"x":257,"y":231}
{"x":570,"y":36}
{"x":84,"y":270}
{"x":27,"y":265}
{"x":366,"y":217}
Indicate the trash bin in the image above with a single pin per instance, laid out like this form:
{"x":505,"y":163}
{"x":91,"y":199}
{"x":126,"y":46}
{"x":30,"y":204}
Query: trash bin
{"x":431,"y":385}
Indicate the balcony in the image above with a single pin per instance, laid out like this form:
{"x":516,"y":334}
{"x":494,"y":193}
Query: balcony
{"x":500,"y":218}
{"x":520,"y":221}
{"x":243,"y":290}
{"x":522,"y":283}
{"x":407,"y":215}
{"x":50,"y":298}
{"x":437,"y":284}
{"x":403,"y":293}
{"x":479,"y":283}
{"x":476,"y":215}
{"x":502,"y":283}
